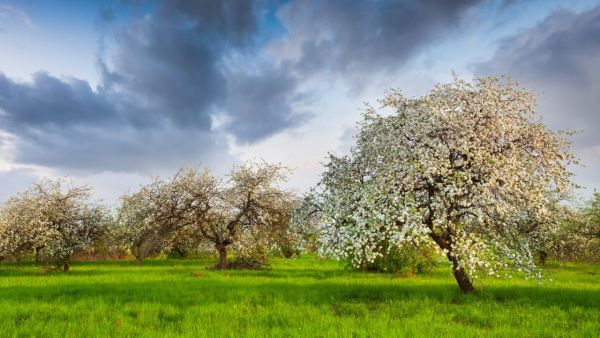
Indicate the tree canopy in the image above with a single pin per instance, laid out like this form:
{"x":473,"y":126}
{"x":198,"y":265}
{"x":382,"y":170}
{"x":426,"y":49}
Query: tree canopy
{"x":53,"y":219}
{"x":470,"y":167}
{"x":242,"y":210}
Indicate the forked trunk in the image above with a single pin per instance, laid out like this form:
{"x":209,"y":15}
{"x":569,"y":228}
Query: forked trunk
{"x":222,"y":257}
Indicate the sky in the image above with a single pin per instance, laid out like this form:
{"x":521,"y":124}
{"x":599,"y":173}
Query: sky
{"x":112,"y":93}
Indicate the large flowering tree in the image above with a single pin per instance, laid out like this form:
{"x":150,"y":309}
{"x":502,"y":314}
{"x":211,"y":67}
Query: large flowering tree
{"x":467,"y":166}
{"x":53,"y":220}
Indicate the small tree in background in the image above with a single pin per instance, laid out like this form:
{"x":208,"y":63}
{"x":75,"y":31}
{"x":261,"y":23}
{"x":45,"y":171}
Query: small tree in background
{"x":591,"y":216}
{"x":578,"y":237}
{"x":51,"y":220}
{"x":183,"y":243}
{"x":302,"y":232}
{"x":243,"y":210}
{"x":150,"y":220}
{"x":462,"y":167}
{"x":136,"y":227}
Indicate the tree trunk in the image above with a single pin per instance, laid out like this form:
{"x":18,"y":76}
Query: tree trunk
{"x":222,"y":257}
{"x":37,"y":255}
{"x":543,"y":256}
{"x":460,"y":275}
{"x":137,"y":253}
{"x":66,"y":267}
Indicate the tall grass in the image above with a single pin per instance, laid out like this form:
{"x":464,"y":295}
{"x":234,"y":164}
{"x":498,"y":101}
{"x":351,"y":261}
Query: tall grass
{"x":302,"y":297}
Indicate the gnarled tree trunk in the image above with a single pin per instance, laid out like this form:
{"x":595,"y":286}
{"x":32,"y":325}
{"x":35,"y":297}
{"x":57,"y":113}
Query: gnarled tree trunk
{"x":460,"y":275}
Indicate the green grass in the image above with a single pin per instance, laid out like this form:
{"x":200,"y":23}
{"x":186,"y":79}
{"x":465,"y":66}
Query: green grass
{"x":304,"y":298}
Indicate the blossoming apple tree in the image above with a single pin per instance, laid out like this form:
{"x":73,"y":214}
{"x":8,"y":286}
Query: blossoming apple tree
{"x":469,"y":166}
{"x":244,"y":210}
{"x":51,"y":219}
{"x":194,"y":205}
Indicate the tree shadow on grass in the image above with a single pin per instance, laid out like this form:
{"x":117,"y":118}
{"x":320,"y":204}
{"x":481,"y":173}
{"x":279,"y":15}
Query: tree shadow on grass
{"x":95,"y":268}
{"x":187,"y":282}
{"x":129,"y":267}
{"x":190,"y":291}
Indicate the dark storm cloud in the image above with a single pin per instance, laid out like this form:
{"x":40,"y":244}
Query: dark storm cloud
{"x":106,"y":14}
{"x":166,"y":72}
{"x":263,"y":103}
{"x":63,"y":123}
{"x":356,"y":37}
{"x":172,"y":61}
{"x":48,"y":100}
{"x":159,"y":86}
{"x":120,"y":148}
{"x":560,"y":58}
{"x":233,"y":20}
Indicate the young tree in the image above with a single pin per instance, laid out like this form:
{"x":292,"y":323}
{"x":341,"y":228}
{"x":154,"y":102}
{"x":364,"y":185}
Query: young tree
{"x":578,"y":237}
{"x":463,"y":167}
{"x":52,"y":220}
{"x":591,"y":216}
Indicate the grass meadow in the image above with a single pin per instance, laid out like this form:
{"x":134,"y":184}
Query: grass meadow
{"x":305,"y":297}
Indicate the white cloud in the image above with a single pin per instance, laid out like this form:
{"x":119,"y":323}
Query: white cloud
{"x":7,"y":11}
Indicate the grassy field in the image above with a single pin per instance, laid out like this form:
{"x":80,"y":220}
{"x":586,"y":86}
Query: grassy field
{"x":302,"y":297}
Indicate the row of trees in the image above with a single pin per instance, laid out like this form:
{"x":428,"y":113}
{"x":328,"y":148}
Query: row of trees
{"x":245,"y":212}
{"x":468,"y":172}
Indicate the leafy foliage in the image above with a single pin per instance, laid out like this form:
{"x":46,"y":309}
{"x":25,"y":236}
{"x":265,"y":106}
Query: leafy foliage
{"x":253,"y":259}
{"x":405,"y":260}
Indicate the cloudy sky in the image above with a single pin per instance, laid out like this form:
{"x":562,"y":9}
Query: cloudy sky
{"x":113,"y":92}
